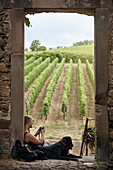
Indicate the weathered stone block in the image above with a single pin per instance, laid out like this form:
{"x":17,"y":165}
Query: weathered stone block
{"x":5,"y":93}
{"x":66,"y":4}
{"x":112,"y":125}
{"x":4,"y":107}
{"x":3,"y":67}
{"x":7,"y":4}
{"x":1,"y":4}
{"x":4,"y":134}
{"x":110,"y":102}
{"x":110,"y":94}
{"x":1,"y":52}
{"x":110,"y":147}
{"x":18,"y":26}
{"x":6,"y":30}
{"x":101,"y":132}
{"x":112,"y":144}
{"x":101,"y":53}
{"x":111,"y":83}
{"x":4,"y":83}
{"x":17,"y":4}
{"x":4,"y":87}
{"x":4,"y":124}
{"x":6,"y":16}
{"x":17,"y":95}
{"x":4,"y":99}
{"x":111,"y":114}
{"x":6,"y":146}
{"x":111,"y":158}
{"x":5,"y":76}
{"x":111,"y":135}
{"x":27,"y":3}
{"x":0,"y":41}
{"x":7,"y":57}
{"x":3,"y":114}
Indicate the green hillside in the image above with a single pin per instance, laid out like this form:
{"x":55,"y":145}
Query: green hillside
{"x":85,"y":52}
{"x":85,"y":49}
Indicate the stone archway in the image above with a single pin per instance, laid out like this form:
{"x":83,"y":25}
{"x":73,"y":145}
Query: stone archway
{"x":101,"y":11}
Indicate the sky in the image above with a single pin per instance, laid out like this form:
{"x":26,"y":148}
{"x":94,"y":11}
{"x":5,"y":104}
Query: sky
{"x":59,"y":29}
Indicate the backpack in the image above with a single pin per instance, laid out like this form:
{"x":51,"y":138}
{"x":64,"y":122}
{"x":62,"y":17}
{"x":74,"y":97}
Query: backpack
{"x":23,"y":152}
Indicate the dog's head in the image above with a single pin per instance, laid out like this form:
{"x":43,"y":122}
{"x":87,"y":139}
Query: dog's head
{"x":67,"y":141}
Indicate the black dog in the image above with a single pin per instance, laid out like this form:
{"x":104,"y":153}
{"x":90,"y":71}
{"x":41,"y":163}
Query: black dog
{"x":59,"y":150}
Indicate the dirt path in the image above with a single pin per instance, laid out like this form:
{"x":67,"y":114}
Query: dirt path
{"x":73,"y":115}
{"x":55,"y":112}
{"x":74,"y":96}
{"x":90,"y":94}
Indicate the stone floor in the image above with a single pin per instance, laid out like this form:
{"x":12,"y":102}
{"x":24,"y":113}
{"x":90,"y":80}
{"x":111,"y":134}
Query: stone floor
{"x":86,"y":163}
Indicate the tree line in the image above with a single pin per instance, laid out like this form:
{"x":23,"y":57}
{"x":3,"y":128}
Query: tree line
{"x":35,"y":45}
{"x":85,"y":42}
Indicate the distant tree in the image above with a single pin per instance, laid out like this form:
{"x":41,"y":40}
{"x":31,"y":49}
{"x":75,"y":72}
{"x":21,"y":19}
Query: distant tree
{"x":50,"y":48}
{"x":80,"y":43}
{"x":91,"y":42}
{"x":42,"y":48}
{"x":35,"y":45}
{"x":85,"y":42}
{"x":26,"y":49}
{"x":59,"y":47}
{"x":76,"y":44}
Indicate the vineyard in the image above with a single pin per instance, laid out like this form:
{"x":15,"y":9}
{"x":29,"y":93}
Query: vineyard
{"x":59,"y":95}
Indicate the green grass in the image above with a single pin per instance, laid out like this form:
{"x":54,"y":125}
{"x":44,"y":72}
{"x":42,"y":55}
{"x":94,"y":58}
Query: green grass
{"x":41,"y":110}
{"x":54,"y":126}
{"x":81,"y":126}
{"x":85,"y":49}
{"x":71,"y":128}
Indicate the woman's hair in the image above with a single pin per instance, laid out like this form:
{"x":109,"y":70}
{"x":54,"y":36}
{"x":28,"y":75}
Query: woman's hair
{"x":26,"y":119}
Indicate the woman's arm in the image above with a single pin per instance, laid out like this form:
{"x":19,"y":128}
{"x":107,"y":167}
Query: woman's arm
{"x":31,"y":138}
{"x":37,"y":133}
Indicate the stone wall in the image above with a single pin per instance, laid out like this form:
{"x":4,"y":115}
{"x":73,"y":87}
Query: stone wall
{"x":12,"y":75}
{"x":5,"y":77}
{"x":110,"y":94}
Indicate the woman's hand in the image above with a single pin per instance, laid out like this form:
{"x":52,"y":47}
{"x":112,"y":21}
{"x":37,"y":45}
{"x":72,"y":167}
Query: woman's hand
{"x":42,"y":131}
{"x":37,"y":133}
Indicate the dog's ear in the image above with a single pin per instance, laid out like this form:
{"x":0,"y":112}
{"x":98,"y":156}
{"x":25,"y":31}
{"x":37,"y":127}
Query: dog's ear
{"x":68,"y":141}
